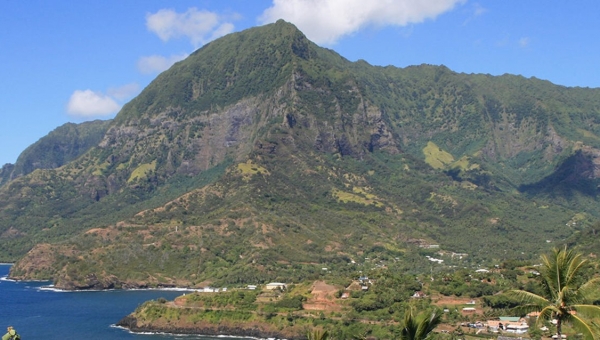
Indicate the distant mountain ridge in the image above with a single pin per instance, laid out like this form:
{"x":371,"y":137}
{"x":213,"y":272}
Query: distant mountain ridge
{"x":60,"y":146}
{"x":265,"y":155}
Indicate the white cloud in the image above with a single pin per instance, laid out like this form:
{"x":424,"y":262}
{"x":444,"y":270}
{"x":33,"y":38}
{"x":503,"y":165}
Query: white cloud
{"x":478,"y":10}
{"x":157,"y":63}
{"x":123,"y":92}
{"x":200,"y":26}
{"x":524,"y":42}
{"x":326,"y":21}
{"x":222,"y":30}
{"x":88,"y":103}
{"x":505,"y":41}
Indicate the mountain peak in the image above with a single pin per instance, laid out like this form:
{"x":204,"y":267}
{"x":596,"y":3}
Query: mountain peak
{"x":233,"y":67}
{"x":299,"y":42}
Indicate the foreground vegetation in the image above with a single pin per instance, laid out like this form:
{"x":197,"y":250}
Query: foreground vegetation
{"x":393,"y":305}
{"x":567,"y":297}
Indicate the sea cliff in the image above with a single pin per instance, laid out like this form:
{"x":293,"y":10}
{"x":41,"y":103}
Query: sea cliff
{"x":254,"y":329}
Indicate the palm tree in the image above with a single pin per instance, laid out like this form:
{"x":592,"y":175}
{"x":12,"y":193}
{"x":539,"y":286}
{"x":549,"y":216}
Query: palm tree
{"x":317,"y":334}
{"x":566,"y":297}
{"x":418,"y":327}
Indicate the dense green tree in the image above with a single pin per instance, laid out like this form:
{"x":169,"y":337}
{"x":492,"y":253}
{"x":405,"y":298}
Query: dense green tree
{"x":567,"y":294}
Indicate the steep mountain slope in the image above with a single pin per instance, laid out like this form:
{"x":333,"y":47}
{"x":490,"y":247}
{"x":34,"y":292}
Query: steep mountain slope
{"x":267,"y":155}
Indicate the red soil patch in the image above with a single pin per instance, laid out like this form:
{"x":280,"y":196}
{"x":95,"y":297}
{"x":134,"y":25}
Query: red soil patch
{"x":452,"y":300}
{"x":323,"y":298}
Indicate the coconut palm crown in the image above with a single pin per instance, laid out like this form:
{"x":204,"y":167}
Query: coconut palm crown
{"x":420,"y":326}
{"x":317,"y":334}
{"x":567,"y":298}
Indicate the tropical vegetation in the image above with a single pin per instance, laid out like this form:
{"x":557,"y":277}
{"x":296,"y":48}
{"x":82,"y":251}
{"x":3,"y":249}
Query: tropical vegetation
{"x":317,"y":335}
{"x":418,"y":327}
{"x":567,"y":294}
{"x":389,"y":308}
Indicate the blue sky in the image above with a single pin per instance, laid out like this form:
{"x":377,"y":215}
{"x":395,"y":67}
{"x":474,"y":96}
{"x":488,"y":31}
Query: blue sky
{"x":72,"y":61}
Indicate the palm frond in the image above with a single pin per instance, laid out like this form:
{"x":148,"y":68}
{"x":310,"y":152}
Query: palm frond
{"x":589,"y":330}
{"x":528,"y":297}
{"x":590,"y":287}
{"x":317,"y":334}
{"x":564,"y":294}
{"x":589,"y":311}
{"x":546,"y":314}
{"x":419,"y":327}
{"x":574,"y":265}
{"x":410,"y":326}
{"x":427,"y":323}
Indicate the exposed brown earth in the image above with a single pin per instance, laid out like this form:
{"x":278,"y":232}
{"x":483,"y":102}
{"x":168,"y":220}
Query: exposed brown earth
{"x":323,"y":298}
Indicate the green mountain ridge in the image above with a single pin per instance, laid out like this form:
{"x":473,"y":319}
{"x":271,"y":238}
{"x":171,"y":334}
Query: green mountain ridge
{"x":263,"y":156}
{"x":60,"y":146}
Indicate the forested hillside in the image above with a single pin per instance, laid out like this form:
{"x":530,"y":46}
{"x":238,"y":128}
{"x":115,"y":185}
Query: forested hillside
{"x":264,"y":156}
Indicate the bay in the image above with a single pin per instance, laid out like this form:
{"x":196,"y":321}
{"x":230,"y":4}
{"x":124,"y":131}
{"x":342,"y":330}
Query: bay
{"x":37,"y":312}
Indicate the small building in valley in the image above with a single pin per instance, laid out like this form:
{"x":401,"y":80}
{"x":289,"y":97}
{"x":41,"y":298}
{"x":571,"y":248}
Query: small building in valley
{"x":419,"y":295}
{"x":275,"y":285}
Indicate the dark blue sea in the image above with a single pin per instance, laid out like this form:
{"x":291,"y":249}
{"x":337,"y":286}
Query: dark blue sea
{"x":37,"y":312}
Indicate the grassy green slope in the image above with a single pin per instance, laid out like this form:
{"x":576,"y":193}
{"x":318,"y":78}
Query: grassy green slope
{"x":283,"y":216}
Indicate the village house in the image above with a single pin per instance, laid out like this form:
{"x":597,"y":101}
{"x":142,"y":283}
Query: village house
{"x":275,"y":285}
{"x":508,"y":324}
{"x":419,"y":295}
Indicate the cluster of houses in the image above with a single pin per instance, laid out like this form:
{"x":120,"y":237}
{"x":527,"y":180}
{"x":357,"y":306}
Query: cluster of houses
{"x":508,"y":324}
{"x":268,"y":286}
{"x":363,"y":282}
{"x":433,"y":259}
{"x":505,"y":324}
{"x":212,"y":290}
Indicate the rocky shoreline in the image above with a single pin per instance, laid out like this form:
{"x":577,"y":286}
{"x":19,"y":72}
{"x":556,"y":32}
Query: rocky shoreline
{"x":254,"y":331}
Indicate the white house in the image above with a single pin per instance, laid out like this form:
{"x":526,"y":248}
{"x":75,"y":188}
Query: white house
{"x":518,"y":329}
{"x":275,"y":285}
{"x":419,"y":295}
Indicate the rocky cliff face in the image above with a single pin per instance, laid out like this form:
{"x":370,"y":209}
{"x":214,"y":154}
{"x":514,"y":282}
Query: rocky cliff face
{"x":6,"y":173}
{"x":248,"y":329}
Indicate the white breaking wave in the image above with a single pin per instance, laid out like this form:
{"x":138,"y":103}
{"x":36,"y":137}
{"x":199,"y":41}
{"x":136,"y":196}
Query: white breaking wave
{"x":190,"y":335}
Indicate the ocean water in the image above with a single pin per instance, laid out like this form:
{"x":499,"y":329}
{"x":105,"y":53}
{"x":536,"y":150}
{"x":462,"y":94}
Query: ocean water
{"x":37,"y":312}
